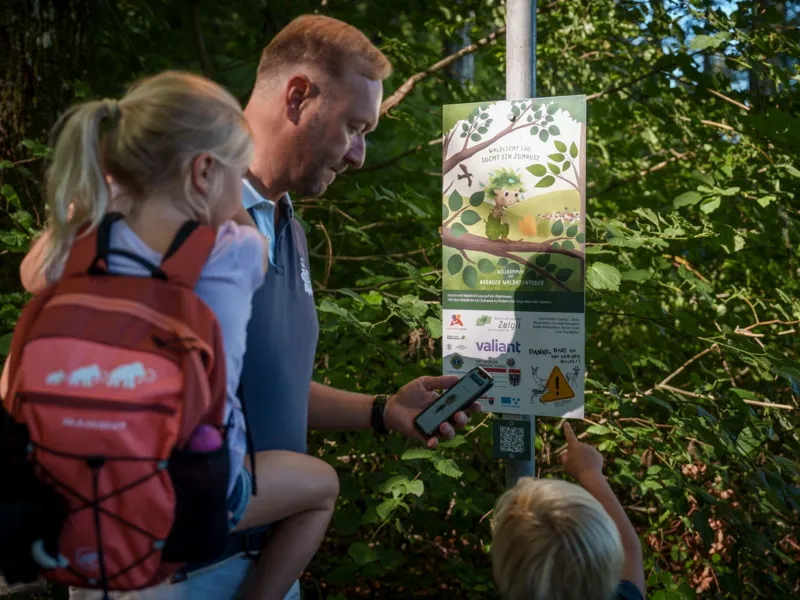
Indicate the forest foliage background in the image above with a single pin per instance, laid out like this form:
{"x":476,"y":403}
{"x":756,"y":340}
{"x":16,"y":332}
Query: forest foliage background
{"x":693,"y":305}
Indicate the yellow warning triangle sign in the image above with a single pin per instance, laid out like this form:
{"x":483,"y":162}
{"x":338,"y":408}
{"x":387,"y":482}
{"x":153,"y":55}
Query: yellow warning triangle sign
{"x":557,"y":387}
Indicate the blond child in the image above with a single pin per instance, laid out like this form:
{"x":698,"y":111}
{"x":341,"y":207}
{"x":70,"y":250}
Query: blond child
{"x":176,"y":147}
{"x":554,"y":540}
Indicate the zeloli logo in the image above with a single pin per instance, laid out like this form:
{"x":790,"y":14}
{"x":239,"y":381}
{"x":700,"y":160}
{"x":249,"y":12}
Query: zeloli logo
{"x":483,"y":320}
{"x":509,"y":323}
{"x":495,"y":346}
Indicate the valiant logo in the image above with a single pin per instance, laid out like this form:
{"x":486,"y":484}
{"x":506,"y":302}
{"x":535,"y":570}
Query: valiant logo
{"x":495,"y":346}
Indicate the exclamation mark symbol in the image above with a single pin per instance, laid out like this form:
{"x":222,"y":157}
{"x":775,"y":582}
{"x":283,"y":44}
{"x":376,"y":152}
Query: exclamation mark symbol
{"x":557,"y":378}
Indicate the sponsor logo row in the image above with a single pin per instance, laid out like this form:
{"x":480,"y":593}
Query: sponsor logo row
{"x":492,"y":323}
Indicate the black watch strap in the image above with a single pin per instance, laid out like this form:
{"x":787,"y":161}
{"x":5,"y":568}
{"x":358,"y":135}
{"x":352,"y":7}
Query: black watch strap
{"x":378,"y":407}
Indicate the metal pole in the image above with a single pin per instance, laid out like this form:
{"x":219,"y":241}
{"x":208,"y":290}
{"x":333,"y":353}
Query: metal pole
{"x":521,"y":83}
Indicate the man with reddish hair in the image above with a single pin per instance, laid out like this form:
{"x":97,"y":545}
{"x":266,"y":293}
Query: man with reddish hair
{"x":317,"y":95}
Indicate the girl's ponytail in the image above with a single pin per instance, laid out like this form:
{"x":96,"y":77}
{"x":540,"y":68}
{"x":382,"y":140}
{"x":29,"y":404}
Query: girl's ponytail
{"x":146,"y":142}
{"x":77,"y":192}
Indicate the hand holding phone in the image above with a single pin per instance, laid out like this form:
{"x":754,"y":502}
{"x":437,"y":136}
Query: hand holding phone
{"x":469,"y":388}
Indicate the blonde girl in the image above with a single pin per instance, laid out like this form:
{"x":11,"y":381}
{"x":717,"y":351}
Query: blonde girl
{"x":176,"y":147}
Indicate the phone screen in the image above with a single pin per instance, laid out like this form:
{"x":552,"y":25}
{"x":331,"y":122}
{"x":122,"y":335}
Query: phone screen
{"x":471,"y":386}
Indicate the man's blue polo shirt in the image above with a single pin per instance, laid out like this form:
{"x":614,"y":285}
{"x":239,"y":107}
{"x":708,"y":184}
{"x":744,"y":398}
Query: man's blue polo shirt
{"x":282,"y":333}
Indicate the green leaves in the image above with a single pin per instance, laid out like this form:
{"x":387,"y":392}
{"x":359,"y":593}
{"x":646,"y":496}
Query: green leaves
{"x":470,"y":276}
{"x":542,"y":260}
{"x":361,"y":553}
{"x":573,"y":150}
{"x":560,"y":146}
{"x":458,"y":229}
{"x":485,"y":265}
{"x":563,"y":274}
{"x":557,"y":228}
{"x":545,"y":182}
{"x":5,"y":344}
{"x":454,"y":264}
{"x":711,"y":205}
{"x":477,"y":198}
{"x":602,"y":276}
{"x":10,"y":195}
{"x":687,"y":199}
{"x":702,"y":42}
{"x":456,"y":201}
{"x":537,"y":170}
{"x":470,"y":217}
{"x":445,"y":466}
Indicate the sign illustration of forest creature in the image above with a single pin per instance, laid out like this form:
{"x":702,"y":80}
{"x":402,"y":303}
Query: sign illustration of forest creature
{"x":513,"y":238}
{"x":505,"y":189}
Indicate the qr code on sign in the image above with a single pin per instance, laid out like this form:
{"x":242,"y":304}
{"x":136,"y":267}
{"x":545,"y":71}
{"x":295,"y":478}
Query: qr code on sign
{"x":512,"y":439}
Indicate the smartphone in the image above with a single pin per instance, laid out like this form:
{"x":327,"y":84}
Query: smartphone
{"x":471,"y":387}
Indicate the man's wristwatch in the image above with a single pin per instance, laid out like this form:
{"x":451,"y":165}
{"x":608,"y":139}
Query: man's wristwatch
{"x":378,"y":407}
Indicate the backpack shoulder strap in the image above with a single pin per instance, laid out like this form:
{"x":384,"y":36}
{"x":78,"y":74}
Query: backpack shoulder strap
{"x":188,"y":253}
{"x":182,"y":263}
{"x":89,"y":252}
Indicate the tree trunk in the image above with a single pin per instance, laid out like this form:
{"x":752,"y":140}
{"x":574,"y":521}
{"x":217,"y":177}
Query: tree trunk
{"x":42,"y":52}
{"x":43,"y":47}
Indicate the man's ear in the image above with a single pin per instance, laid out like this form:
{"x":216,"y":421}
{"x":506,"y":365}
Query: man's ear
{"x":201,"y":173}
{"x":299,"y":91}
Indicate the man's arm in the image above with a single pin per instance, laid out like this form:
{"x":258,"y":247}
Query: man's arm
{"x":330,"y":409}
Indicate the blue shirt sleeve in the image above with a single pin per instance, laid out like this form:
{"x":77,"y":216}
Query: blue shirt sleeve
{"x":628,"y":591}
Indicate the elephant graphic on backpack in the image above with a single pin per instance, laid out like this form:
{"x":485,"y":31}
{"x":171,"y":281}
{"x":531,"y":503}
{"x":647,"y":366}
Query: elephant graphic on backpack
{"x":86,"y":376}
{"x":130,"y":375}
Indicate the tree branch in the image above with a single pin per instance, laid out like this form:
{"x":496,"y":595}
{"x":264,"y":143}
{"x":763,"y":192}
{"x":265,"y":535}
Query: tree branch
{"x":465,"y":153}
{"x":466,"y":258}
{"x":565,"y":180}
{"x":399,"y":157}
{"x":447,"y":139}
{"x":627,"y":84}
{"x":533,"y":267}
{"x":373,"y":256}
{"x":469,"y":241}
{"x":406,"y":88}
{"x":199,"y":40}
{"x":455,"y":214}
{"x":330,"y":255}
{"x":643,"y":173}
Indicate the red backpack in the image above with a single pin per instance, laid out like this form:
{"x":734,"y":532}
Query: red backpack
{"x":109,"y":377}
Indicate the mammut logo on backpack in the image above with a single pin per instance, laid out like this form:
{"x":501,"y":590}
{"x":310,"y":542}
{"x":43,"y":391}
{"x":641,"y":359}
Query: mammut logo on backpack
{"x":92,"y":424}
{"x":126,"y":376}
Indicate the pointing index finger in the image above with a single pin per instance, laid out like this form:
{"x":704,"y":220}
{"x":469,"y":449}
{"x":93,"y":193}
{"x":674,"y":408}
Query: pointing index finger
{"x":569,"y":434}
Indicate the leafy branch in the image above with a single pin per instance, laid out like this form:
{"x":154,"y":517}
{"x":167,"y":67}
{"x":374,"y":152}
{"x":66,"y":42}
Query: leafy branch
{"x":409,"y":84}
{"x":465,"y":153}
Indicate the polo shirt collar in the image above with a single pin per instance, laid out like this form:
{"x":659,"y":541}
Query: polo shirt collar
{"x":251,"y":198}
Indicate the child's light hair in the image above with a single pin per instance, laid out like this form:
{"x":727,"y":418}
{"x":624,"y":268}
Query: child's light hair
{"x":145,"y":142}
{"x":553,"y":541}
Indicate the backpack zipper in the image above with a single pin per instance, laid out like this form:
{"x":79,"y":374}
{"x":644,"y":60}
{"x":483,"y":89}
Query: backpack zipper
{"x":92,"y":404}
